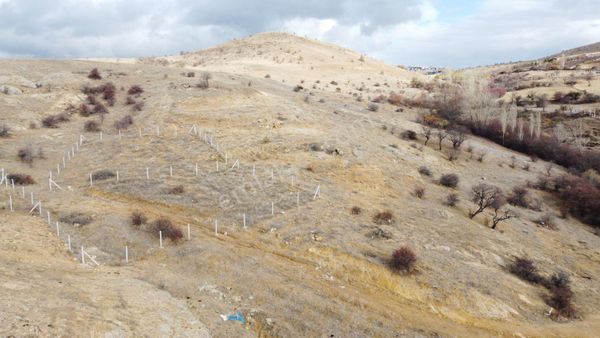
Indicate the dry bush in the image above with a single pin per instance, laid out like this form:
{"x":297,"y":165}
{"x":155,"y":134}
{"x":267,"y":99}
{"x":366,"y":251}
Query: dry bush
{"x":204,"y":84}
{"x":419,"y":192}
{"x":103,"y":175}
{"x":20,"y":179}
{"x":580,"y":197}
{"x":138,"y":218}
{"x":177,"y":190}
{"x":135,"y":90}
{"x":449,"y":180}
{"x":373,"y":107}
{"x":297,"y":88}
{"x":457,"y":137}
{"x":91,"y":126}
{"x":356,"y":210}
{"x":561,"y":297}
{"x":76,"y":218}
{"x":25,"y":155}
{"x":4,"y":131}
{"x":383,"y":217}
{"x":452,"y":199}
{"x":94,"y":74}
{"x":168,"y":230}
{"x":85,"y":110}
{"x":408,"y":135}
{"x":138,"y":106}
{"x":519,"y":197}
{"x":395,"y":99}
{"x":52,"y":121}
{"x":129,"y":100}
{"x":547,"y":221}
{"x":124,"y":123}
{"x":525,"y":269}
{"x":403,"y":260}
{"x":452,"y":155}
{"x":424,"y":170}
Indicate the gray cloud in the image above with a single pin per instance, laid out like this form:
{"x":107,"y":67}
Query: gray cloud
{"x":401,"y":32}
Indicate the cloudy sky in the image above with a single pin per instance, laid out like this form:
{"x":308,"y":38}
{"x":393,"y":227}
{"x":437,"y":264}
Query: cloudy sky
{"x":454,"y":33}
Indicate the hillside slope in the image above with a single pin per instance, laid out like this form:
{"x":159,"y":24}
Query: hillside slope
{"x":305,"y":264}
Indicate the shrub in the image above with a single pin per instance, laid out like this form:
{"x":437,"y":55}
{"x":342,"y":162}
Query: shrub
{"x":383,"y":217}
{"x":85,"y":110}
{"x":424,"y":170}
{"x":109,"y":93}
{"x":356,"y":210}
{"x":403,"y":260}
{"x":129,"y":100}
{"x":373,"y":107}
{"x":298,"y":88}
{"x":526,"y":270}
{"x":204,"y":84}
{"x":91,"y":126}
{"x":419,"y":192}
{"x":452,"y":199}
{"x":408,"y":135}
{"x":580,"y":197}
{"x":449,"y":180}
{"x":25,"y":155}
{"x":124,"y":123}
{"x":102,"y":175}
{"x":99,"y":108}
{"x":135,"y":90}
{"x":76,"y":218}
{"x":4,"y":131}
{"x":395,"y":99}
{"x":561,"y":299}
{"x":52,"y":121}
{"x":21,"y":179}
{"x":94,"y":74}
{"x":547,"y":221}
{"x":168,"y":230}
{"x":138,"y":106}
{"x":138,"y":218}
{"x":519,"y":197}
{"x":177,"y":190}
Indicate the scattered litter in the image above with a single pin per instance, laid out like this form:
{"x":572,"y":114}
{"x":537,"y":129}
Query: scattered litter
{"x":232,"y":317}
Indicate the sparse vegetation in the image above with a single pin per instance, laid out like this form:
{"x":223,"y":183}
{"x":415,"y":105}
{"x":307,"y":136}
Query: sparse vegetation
{"x":52,"y":121}
{"x":452,"y":199}
{"x":383,"y":217}
{"x":135,"y":90}
{"x":203,"y":83}
{"x":403,"y":260}
{"x":168,"y":230}
{"x":373,"y":107}
{"x":76,"y":218}
{"x":103,"y":175}
{"x":424,"y":170}
{"x":419,"y":192}
{"x":486,"y":196}
{"x":124,"y":123}
{"x":449,"y":180}
{"x":4,"y":131}
{"x":94,"y":74}
{"x":177,"y":190}
{"x":356,"y":210}
{"x":20,"y":179}
{"x":525,"y":269}
{"x":26,"y":155}
{"x":92,"y":126}
{"x":138,"y":218}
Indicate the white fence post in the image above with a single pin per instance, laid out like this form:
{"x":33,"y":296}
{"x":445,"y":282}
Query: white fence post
{"x":189,"y":232}
{"x":126,"y":254}
{"x":160,"y":238}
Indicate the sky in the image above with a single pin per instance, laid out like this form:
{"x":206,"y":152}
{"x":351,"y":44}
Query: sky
{"x":443,"y":33}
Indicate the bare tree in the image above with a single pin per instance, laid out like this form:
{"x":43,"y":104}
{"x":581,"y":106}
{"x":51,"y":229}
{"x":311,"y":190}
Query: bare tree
{"x":500,"y":216}
{"x":486,"y":196}
{"x":441,"y":135}
{"x":427,"y":131}
{"x":457,"y":137}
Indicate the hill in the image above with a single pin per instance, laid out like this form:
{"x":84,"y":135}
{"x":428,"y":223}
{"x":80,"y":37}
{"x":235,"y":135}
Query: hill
{"x":294,"y":206}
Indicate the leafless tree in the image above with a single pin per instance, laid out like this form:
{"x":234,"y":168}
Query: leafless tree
{"x":486,"y":196}
{"x":441,"y":135}
{"x":457,"y":137}
{"x":427,"y":131}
